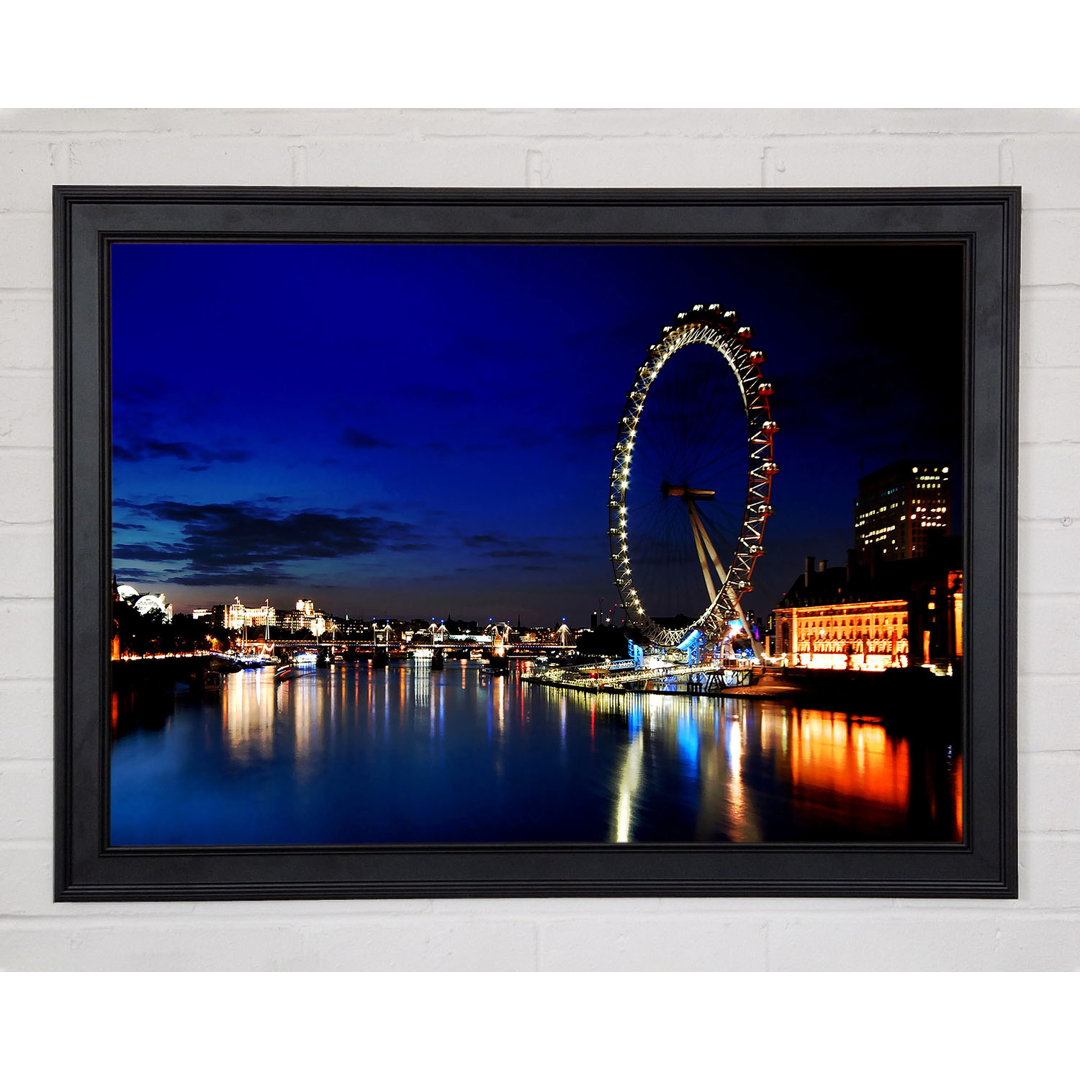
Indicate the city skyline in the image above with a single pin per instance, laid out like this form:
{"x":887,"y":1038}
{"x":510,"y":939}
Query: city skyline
{"x":420,"y":430}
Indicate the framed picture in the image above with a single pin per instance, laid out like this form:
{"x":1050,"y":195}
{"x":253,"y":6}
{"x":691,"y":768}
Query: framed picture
{"x":445,"y":543}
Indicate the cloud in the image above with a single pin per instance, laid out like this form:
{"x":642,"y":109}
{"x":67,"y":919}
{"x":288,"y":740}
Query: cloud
{"x":249,"y":542}
{"x":135,"y":573}
{"x":493,"y":546}
{"x":141,"y":448}
{"x":255,"y":575}
{"x":481,"y":540}
{"x":153,"y":553}
{"x":361,"y":440}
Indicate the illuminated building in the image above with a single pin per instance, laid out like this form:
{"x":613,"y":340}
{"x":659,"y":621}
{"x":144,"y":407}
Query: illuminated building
{"x":902,"y":509}
{"x":154,"y":602}
{"x":869,"y":635}
{"x":290,"y":620}
{"x":305,"y":616}
{"x":872,"y":616}
{"x":144,"y":603}
{"x":238,"y":615}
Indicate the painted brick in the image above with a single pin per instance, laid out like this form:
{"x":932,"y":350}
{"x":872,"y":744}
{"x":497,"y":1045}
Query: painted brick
{"x":26,"y":481}
{"x":26,"y":801}
{"x":139,"y":123}
{"x":61,"y":121}
{"x":315,"y":911}
{"x":1050,"y":872}
{"x":1049,"y":792}
{"x":26,"y":251}
{"x":770,"y":906}
{"x":1049,"y":483}
{"x":180,"y":159}
{"x":446,"y":163}
{"x":654,"y":162}
{"x":588,"y":124}
{"x":28,"y":169}
{"x":1047,"y":168}
{"x":555,"y":906}
{"x":1038,"y":944}
{"x":27,"y":633}
{"x":26,"y":561}
{"x":436,"y":943}
{"x":881,"y":162}
{"x":1045,"y":544}
{"x":26,"y":411}
{"x":1047,"y":712}
{"x":531,"y":122}
{"x":642,"y":944}
{"x":26,"y":333}
{"x":1049,"y":632}
{"x":131,"y":945}
{"x":1049,"y":327}
{"x":1050,"y":405}
{"x":1012,"y":940}
{"x":26,"y":885}
{"x":1049,"y":324}
{"x":26,"y":946}
{"x":772,"y":123}
{"x":26,"y":718}
{"x":1050,"y":247}
{"x":920,"y":941}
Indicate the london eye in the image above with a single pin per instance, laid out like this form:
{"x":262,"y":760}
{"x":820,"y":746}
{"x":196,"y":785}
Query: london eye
{"x":691,"y":480}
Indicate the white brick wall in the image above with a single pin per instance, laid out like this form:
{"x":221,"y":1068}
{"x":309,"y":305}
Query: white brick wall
{"x":1038,"y":149}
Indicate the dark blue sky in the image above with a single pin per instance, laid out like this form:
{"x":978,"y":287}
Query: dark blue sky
{"x":412,"y":430}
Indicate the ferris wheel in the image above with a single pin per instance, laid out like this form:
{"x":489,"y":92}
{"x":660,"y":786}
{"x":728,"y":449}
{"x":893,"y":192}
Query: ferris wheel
{"x":691,"y":479}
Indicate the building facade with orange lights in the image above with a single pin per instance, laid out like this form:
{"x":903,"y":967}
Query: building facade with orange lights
{"x":869,"y":635}
{"x":907,"y":612}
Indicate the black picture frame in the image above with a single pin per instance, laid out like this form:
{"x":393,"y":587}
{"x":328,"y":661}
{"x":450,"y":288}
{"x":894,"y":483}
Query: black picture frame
{"x":89,"y":219}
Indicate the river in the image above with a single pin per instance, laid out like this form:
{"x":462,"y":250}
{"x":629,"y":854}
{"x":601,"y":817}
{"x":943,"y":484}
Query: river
{"x":352,"y":755}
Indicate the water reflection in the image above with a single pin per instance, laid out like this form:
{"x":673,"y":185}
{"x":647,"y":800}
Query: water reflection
{"x":629,"y":784}
{"x":248,"y":710}
{"x":406,"y":754}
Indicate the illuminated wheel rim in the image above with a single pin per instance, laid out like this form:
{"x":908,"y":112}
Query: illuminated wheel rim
{"x":746,"y":430}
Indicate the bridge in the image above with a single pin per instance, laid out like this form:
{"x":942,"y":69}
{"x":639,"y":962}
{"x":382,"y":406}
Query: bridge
{"x":361,"y":646}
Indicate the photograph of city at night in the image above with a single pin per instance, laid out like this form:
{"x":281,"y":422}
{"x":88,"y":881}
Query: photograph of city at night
{"x":492,"y":543}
